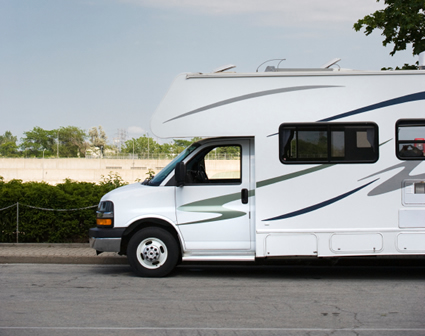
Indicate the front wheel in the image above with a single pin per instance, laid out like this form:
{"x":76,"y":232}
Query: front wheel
{"x":153,"y":252}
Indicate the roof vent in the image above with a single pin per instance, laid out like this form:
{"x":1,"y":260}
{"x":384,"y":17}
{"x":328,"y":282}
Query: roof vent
{"x":327,"y":65}
{"x":274,"y":69}
{"x":324,"y":67}
{"x":224,"y":68}
{"x":270,"y":68}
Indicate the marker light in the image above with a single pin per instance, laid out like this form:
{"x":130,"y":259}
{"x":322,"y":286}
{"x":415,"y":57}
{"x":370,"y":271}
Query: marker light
{"x":104,"y":222}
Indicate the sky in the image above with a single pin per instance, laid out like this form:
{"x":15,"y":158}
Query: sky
{"x":87,"y":63}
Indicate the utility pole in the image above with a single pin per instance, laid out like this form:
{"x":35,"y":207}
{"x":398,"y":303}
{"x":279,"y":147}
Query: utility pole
{"x":122,"y":137}
{"x":133,"y":151}
{"x":42,"y":177}
{"x":148,"y":146}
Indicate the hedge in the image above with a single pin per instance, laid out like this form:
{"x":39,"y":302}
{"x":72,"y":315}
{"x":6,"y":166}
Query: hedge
{"x":47,"y":226}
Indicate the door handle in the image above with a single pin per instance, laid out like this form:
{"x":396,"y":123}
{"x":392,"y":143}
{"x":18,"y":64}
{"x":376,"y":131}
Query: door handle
{"x":244,"y":196}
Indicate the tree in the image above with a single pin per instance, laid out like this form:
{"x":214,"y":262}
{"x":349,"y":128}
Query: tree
{"x":8,"y":146}
{"x":228,"y":152}
{"x":402,"y":22}
{"x":142,"y":145}
{"x":39,"y":140}
{"x":406,"y":66}
{"x":8,"y":137}
{"x":166,"y":148}
{"x":180,"y":144}
{"x":98,"y":136}
{"x":72,"y":141}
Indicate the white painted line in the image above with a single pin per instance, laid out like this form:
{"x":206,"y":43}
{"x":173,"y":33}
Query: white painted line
{"x":214,"y":329}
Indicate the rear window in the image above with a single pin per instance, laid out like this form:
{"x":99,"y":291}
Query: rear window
{"x":410,"y":139}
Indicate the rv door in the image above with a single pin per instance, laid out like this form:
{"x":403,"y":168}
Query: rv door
{"x":213,"y":206}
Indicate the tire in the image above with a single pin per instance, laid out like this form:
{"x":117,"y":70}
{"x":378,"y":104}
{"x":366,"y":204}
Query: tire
{"x":153,"y":252}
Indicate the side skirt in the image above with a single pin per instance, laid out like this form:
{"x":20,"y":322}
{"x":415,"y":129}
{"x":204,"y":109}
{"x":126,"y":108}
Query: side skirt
{"x":248,"y":256}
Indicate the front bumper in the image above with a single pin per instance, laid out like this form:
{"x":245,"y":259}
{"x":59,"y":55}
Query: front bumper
{"x":106,"y":239}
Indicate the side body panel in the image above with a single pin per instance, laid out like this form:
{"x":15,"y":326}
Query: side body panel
{"x":314,"y":209}
{"x":342,"y":209}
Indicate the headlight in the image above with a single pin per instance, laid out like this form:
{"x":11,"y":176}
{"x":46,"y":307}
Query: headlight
{"x":105,"y":214}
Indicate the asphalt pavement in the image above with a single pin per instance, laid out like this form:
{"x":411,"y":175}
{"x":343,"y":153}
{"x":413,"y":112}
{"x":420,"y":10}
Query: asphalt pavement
{"x":110,"y":300}
{"x":45,"y":253}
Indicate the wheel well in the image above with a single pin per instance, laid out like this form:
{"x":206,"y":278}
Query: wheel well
{"x":143,"y":223}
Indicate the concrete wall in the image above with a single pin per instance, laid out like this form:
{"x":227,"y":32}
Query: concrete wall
{"x":54,"y":171}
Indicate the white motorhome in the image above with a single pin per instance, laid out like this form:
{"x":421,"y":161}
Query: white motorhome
{"x":325,"y":163}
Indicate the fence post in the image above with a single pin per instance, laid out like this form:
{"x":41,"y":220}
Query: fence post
{"x":17,"y":222}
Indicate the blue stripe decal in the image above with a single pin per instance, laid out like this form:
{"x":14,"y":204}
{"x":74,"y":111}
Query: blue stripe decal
{"x":319,"y":205}
{"x":395,"y":101}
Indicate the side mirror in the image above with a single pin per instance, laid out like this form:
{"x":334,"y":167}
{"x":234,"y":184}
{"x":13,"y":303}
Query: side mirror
{"x":180,"y":174}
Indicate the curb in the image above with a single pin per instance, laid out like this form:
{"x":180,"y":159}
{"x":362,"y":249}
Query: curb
{"x":62,"y":260}
{"x":45,"y":253}
{"x":65,"y":245}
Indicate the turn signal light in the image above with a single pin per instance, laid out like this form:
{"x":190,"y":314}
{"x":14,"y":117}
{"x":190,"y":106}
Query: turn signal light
{"x":104,"y":222}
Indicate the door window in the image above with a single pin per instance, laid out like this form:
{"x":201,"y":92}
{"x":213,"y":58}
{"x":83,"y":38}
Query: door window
{"x":215,"y":165}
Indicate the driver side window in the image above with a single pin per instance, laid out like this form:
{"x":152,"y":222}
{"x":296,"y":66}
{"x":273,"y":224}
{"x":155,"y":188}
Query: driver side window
{"x":215,"y":165}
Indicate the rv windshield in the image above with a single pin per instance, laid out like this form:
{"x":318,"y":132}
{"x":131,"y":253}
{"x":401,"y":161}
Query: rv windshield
{"x":157,"y":180}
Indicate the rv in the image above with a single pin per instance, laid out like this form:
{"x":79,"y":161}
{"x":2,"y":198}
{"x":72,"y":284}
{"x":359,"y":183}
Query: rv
{"x":323,"y":163}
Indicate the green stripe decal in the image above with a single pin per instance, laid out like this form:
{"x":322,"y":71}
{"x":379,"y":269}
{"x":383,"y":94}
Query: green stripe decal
{"x":215,"y":205}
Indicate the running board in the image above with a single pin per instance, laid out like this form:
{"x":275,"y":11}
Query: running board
{"x":211,"y":256}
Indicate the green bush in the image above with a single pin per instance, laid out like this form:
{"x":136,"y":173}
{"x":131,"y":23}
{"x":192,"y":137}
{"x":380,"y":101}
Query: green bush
{"x":36,"y":225}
